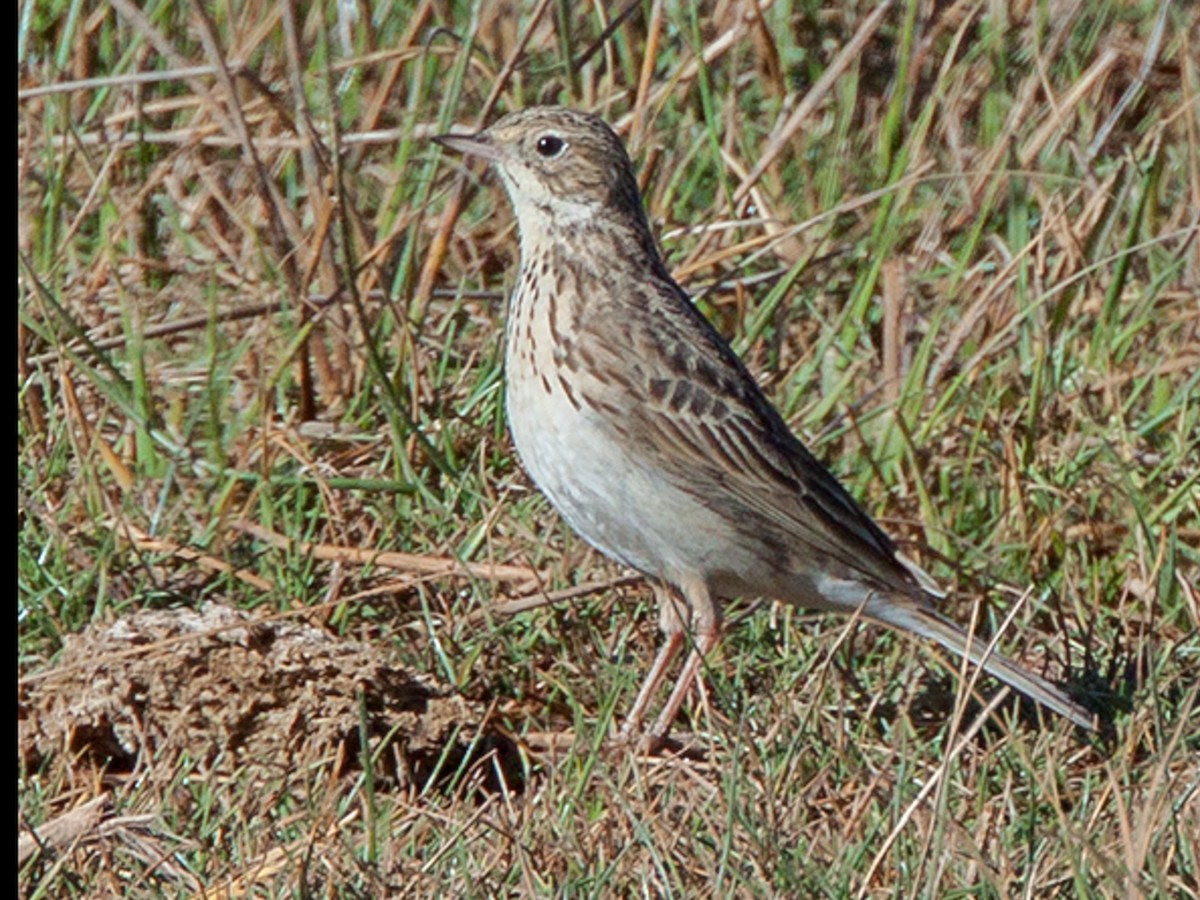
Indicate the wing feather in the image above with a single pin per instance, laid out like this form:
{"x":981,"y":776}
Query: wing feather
{"x":703,"y":421}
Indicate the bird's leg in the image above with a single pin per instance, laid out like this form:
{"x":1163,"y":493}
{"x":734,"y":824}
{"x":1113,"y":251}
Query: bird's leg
{"x":706,"y":632}
{"x":672,"y":621}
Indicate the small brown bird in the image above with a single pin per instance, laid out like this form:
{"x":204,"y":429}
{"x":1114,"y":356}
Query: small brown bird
{"x":650,"y":437}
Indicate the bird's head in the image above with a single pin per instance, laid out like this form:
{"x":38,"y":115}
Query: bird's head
{"x":562,"y":168}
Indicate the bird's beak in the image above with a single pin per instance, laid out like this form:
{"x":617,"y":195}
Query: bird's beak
{"x":470,"y":145}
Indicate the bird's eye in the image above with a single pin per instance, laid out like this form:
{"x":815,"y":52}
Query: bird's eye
{"x":550,"y":145}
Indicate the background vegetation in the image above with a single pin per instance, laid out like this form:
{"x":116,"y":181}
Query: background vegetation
{"x":259,"y":339}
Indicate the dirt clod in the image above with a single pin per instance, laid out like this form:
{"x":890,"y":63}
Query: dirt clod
{"x":234,"y":695}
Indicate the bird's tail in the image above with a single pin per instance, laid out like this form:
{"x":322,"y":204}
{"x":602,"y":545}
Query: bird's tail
{"x":927,"y":622}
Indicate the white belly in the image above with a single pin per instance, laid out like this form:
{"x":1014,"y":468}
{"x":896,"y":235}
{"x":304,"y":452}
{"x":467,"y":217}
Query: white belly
{"x":583,"y":472}
{"x":609,"y":493}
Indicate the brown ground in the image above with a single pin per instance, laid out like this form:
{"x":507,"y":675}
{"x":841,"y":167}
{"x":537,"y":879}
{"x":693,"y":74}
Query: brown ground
{"x":260,"y":701}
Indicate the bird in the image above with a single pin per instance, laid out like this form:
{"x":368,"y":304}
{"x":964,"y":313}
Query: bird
{"x":650,"y":437}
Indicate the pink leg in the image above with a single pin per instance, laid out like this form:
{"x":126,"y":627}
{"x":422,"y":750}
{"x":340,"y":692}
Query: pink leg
{"x":672,"y":616}
{"x":705,"y":641}
{"x":666,"y":654}
{"x":706,"y":631}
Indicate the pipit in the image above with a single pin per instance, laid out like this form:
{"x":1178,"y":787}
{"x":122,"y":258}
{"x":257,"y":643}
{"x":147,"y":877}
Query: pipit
{"x":650,"y":437}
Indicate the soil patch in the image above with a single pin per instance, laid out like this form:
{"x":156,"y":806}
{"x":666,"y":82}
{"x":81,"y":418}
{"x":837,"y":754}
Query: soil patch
{"x":228,"y":694}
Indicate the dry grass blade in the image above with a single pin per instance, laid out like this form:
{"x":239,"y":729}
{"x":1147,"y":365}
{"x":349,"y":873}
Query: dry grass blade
{"x":548,"y":598}
{"x":798,"y":116}
{"x":402,"y":562}
{"x":70,"y":828}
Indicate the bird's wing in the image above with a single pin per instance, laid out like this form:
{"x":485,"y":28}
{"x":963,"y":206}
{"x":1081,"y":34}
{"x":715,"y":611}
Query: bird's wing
{"x":700,"y":417}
